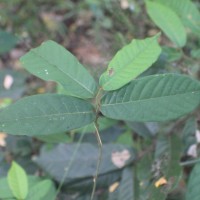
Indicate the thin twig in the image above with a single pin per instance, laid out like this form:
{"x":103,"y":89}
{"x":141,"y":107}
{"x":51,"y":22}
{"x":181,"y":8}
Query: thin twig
{"x":98,"y":161}
{"x":97,"y":102}
{"x":96,"y":126}
{"x":190,"y":162}
{"x":70,"y":163}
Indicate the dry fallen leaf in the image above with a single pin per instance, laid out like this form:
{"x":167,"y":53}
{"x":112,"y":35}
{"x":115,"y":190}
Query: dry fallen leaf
{"x":113,"y":187}
{"x":124,"y":4}
{"x":160,"y":182}
{"x":2,"y":139}
{"x":119,"y":158}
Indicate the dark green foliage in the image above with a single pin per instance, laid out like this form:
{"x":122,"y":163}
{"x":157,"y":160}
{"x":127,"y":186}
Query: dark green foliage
{"x":148,"y":95}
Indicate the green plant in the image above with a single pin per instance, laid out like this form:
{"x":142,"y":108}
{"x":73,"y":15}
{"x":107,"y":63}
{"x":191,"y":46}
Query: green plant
{"x":18,"y":185}
{"x":124,"y":93}
{"x":152,"y":98}
{"x":7,"y":41}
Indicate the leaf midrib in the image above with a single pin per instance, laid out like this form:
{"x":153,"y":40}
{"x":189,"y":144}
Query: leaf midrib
{"x":154,"y":98}
{"x":67,"y":74}
{"x":45,"y":116}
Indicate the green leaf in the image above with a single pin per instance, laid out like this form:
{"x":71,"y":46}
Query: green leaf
{"x":171,"y":53}
{"x":7,"y":41}
{"x":168,"y":155}
{"x":45,"y":114}
{"x":50,"y":61}
{"x":17,"y":180}
{"x":5,"y":191}
{"x":188,"y":133}
{"x":153,"y":98}
{"x":162,"y":148}
{"x":146,"y":130}
{"x":103,"y":124}
{"x":126,"y":138}
{"x":55,"y":138}
{"x":113,"y":195}
{"x":174,"y":168}
{"x":160,"y":167}
{"x":41,"y":190}
{"x":188,"y":12}
{"x":126,"y":185}
{"x":33,"y":180}
{"x":56,"y":161}
{"x":193,"y":192}
{"x":195,"y":53}
{"x":157,"y":193}
{"x":168,"y":21}
{"x":144,"y":174}
{"x":130,"y":62}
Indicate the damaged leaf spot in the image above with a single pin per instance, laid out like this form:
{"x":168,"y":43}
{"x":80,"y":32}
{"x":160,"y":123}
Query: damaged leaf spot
{"x":119,"y":158}
{"x":111,"y":72}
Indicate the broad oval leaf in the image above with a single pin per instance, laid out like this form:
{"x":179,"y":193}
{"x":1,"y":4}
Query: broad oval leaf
{"x":188,"y":12}
{"x":174,"y":168}
{"x":153,"y":98}
{"x":58,"y":161}
{"x":130,"y":62}
{"x":45,"y":114}
{"x":44,"y":190}
{"x":193,"y":192}
{"x":5,"y":191}
{"x":168,"y":21}
{"x":126,"y":187}
{"x":51,"y":61}
{"x":18,"y":182}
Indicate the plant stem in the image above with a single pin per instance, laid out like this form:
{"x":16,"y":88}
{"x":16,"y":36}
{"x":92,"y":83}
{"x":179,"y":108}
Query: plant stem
{"x":190,"y":162}
{"x":97,"y":103}
{"x":70,"y":163}
{"x":99,"y":159}
{"x":96,"y":126}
